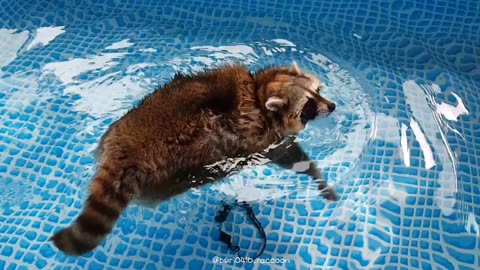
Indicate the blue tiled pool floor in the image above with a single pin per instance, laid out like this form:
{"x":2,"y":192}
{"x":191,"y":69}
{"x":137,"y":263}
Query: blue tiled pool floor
{"x":402,"y":149}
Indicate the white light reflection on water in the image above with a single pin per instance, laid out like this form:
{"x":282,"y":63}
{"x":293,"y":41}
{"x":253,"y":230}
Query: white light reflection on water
{"x":427,"y":115}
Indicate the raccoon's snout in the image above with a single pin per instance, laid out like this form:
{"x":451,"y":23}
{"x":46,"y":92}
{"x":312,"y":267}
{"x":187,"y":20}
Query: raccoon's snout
{"x":326,"y":109}
{"x":331,"y":107}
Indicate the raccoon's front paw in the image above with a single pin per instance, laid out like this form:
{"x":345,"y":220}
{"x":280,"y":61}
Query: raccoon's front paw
{"x":327,"y":192}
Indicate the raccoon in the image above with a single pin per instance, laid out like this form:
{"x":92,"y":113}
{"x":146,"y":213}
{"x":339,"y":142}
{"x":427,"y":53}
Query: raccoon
{"x":164,"y":146}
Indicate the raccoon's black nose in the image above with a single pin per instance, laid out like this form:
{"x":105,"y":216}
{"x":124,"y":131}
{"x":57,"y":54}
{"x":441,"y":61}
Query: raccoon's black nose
{"x":331,"y":107}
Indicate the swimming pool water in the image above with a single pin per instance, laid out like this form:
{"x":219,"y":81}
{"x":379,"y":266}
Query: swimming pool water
{"x":402,"y":149}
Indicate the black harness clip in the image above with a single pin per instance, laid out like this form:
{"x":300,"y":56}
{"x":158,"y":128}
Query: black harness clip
{"x":227,"y":239}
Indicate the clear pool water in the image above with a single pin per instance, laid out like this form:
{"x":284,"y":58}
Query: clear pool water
{"x":402,"y":149}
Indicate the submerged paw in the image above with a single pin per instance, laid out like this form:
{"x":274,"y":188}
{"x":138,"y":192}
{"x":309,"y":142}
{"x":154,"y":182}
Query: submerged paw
{"x":328,"y":193}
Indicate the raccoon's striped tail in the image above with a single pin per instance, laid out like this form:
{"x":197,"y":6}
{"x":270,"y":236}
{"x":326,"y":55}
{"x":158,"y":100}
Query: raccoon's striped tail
{"x":109,"y":196}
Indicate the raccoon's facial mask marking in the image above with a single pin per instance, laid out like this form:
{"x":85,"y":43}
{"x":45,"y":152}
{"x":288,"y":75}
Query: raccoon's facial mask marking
{"x":309,"y":111}
{"x":295,"y":97}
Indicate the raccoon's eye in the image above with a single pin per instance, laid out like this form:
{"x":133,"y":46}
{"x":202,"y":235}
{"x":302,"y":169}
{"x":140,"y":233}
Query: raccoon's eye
{"x":309,"y":111}
{"x":319,"y":89}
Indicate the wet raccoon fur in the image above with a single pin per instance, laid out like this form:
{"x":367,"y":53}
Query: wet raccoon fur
{"x":161,"y":148}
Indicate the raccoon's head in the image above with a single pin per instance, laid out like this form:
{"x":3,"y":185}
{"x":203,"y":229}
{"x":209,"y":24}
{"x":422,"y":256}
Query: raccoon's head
{"x":291,"y":97}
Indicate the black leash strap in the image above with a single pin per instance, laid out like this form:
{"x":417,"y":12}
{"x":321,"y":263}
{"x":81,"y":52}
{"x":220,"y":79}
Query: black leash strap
{"x":227,"y":239}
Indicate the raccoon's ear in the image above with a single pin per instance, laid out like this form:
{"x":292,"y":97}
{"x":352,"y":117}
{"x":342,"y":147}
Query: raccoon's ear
{"x":275,"y":104}
{"x":295,"y":67}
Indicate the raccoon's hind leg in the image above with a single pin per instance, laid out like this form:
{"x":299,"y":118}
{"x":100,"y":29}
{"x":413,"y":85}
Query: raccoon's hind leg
{"x":110,"y":192}
{"x":290,"y":155}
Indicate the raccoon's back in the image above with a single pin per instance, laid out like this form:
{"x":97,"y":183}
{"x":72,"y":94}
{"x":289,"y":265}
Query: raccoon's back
{"x":181,"y":109}
{"x":189,"y":111}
